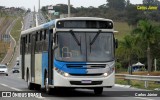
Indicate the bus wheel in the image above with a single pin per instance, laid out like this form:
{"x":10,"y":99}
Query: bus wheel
{"x":98,"y":90}
{"x":47,"y":88}
{"x":29,"y":84}
{"x":37,"y":87}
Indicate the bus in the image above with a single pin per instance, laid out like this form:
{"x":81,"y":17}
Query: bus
{"x":75,"y":52}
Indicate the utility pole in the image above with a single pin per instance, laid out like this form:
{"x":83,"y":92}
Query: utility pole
{"x":69,"y":9}
{"x":39,"y":5}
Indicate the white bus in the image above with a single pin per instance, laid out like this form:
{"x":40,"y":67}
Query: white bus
{"x":76,"y":52}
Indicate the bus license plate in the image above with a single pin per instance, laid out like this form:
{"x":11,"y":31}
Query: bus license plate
{"x":86,"y":81}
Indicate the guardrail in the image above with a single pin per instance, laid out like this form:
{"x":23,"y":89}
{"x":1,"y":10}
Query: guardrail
{"x":144,"y":78}
{"x":139,"y":77}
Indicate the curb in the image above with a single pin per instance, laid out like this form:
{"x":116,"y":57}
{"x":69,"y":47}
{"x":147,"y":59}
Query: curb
{"x":124,"y":86}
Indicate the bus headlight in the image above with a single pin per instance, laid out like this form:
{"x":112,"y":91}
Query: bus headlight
{"x":66,"y":74}
{"x":105,"y":74}
{"x":109,"y":70}
{"x":61,"y":72}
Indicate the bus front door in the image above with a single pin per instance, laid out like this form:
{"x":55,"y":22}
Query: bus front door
{"x":33,"y":42}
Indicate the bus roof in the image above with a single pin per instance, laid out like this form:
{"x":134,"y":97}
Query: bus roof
{"x":53,"y":22}
{"x":43,"y":26}
{"x":84,"y":18}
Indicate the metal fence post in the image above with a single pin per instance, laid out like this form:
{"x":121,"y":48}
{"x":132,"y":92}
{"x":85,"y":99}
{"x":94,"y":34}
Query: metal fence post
{"x":146,"y":84}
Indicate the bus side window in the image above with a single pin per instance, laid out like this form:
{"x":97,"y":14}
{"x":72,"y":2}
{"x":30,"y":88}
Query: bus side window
{"x":40,"y":35}
{"x":44,"y":34}
{"x":26,"y":45}
{"x":45,"y":41}
{"x":40,"y":42}
{"x":36,"y":42}
{"x":21,"y":46}
{"x":29,"y":43}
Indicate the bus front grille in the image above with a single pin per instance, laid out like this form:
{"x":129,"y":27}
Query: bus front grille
{"x":89,"y":66}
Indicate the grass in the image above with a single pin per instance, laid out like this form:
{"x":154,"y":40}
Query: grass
{"x":4,"y":46}
{"x":123,"y":29}
{"x":157,"y":73}
{"x":16,"y":30}
{"x":139,"y":84}
{"x":3,"y":49}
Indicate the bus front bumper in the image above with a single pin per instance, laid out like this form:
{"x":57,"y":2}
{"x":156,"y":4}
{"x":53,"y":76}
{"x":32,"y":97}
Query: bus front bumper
{"x":62,"y":81}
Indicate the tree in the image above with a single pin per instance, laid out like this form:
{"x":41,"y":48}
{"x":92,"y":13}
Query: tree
{"x":128,"y":3}
{"x":129,"y":48}
{"x":118,"y":5}
{"x":151,"y":2}
{"x":147,"y":32}
{"x":133,"y":15}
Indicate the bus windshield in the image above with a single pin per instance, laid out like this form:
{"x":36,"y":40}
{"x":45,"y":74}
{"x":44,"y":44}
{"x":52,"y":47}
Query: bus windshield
{"x":85,"y":46}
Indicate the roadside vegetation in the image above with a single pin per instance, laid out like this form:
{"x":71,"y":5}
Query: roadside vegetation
{"x":7,"y":15}
{"x":3,"y":49}
{"x":5,"y":21}
{"x":123,"y":29}
{"x":139,"y":84}
{"x":16,"y":30}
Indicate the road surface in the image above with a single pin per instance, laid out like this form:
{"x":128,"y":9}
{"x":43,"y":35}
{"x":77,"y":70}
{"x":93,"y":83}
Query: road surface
{"x":13,"y":82}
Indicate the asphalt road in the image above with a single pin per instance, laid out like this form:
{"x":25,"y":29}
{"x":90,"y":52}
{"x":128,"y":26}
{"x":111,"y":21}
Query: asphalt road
{"x":29,"y":21}
{"x":40,"y":18}
{"x":13,"y":82}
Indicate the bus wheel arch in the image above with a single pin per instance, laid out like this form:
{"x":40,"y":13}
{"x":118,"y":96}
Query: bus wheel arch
{"x":29,"y":84}
{"x":47,"y":88}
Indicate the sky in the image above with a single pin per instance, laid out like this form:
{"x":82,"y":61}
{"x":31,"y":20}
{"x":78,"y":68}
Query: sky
{"x":76,"y":3}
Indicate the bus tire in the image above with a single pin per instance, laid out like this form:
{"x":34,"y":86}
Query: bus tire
{"x":37,"y":87}
{"x":98,"y":90}
{"x":47,"y":88}
{"x":29,"y":84}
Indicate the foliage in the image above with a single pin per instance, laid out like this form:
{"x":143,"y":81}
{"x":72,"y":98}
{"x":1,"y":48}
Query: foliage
{"x":147,"y":32}
{"x":122,"y":10}
{"x":128,"y":49}
{"x":120,"y":5}
{"x":16,"y":30}
{"x":133,"y":15}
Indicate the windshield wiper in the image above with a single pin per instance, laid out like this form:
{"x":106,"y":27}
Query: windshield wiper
{"x":94,"y":39}
{"x":75,"y":38}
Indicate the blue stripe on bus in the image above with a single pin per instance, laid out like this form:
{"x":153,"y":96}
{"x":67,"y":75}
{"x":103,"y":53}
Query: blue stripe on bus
{"x":63,"y":67}
{"x":49,"y":24}
{"x":44,"y":64}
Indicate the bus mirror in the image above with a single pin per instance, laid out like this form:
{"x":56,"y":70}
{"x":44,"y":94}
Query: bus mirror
{"x":116,"y":43}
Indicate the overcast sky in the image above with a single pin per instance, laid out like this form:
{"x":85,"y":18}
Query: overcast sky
{"x":76,"y":3}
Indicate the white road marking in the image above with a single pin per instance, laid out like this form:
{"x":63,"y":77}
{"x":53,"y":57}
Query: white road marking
{"x":124,"y":86}
{"x":143,"y":98}
{"x":15,"y":89}
{"x":10,"y":87}
{"x":4,"y":85}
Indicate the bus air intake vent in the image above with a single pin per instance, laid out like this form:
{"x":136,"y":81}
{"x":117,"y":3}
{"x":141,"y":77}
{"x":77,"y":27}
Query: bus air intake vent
{"x":99,"y":74}
{"x":80,"y":83}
